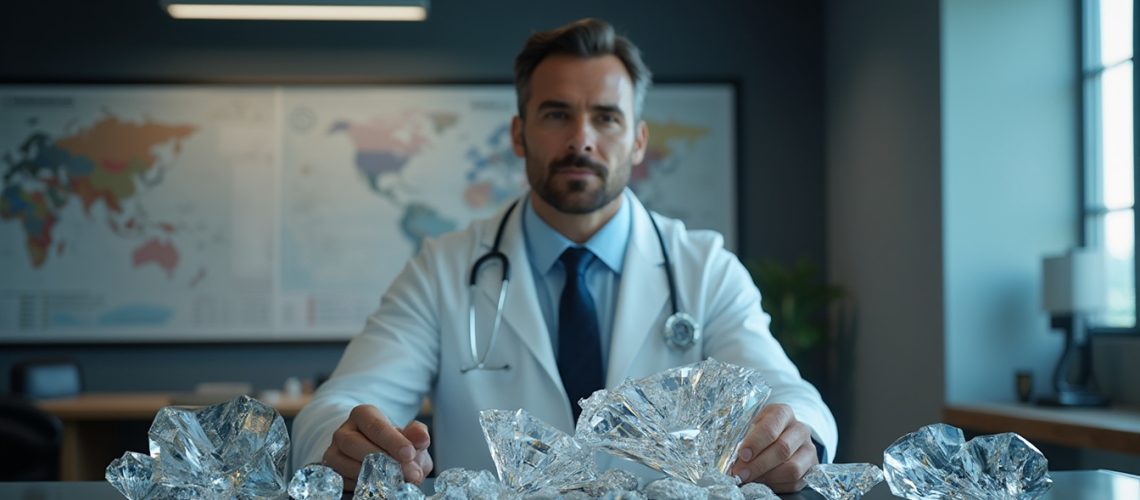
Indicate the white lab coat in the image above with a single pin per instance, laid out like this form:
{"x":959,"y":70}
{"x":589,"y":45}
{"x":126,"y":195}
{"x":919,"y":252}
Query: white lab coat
{"x":417,"y":341}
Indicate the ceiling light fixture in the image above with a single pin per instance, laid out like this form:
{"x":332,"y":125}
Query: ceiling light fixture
{"x":298,"y":10}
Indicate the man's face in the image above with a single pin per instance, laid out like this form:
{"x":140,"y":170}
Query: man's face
{"x":579,"y":137}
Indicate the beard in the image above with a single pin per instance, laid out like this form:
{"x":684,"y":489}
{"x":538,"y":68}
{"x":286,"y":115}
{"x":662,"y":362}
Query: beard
{"x":575,"y":196}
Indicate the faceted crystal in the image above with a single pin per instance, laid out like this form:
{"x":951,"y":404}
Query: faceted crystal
{"x":623,"y":495}
{"x":316,"y":482}
{"x":529,"y":454}
{"x":453,"y":480}
{"x":236,"y":449}
{"x":921,"y":464}
{"x":758,"y":491}
{"x":547,"y":493}
{"x":484,"y":486}
{"x":670,"y":489}
{"x":724,"y":492}
{"x":132,"y":474}
{"x":407,"y":491}
{"x":686,"y":422}
{"x":463,"y":484}
{"x":1007,"y":465}
{"x":611,"y":481}
{"x":380,"y":477}
{"x":937,"y":462}
{"x":843,"y":481}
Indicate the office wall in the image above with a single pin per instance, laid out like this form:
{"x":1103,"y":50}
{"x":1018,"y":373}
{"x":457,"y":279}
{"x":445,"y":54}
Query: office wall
{"x":884,"y":210}
{"x":1011,"y":96}
{"x":772,"y":48}
{"x":951,"y":170}
{"x":1011,"y":112}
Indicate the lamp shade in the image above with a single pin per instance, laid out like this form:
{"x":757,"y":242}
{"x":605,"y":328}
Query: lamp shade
{"x":1073,"y":283}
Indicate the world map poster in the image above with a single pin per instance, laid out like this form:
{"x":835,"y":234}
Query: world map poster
{"x":179,"y":213}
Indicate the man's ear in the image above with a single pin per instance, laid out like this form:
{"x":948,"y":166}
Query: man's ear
{"x":640,"y":142}
{"x":518,"y":143}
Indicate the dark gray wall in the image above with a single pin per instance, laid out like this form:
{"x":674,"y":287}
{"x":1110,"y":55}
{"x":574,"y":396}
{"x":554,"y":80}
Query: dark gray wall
{"x":772,"y":48}
{"x":884,"y":211}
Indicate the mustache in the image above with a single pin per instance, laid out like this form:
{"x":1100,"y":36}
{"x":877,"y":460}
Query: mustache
{"x":581,"y":161}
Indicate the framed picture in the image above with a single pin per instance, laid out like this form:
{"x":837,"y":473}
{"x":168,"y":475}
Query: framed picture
{"x":153,"y":213}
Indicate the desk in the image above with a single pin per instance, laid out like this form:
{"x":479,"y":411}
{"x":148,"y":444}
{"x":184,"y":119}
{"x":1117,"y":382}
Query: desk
{"x":1067,"y":485}
{"x":1112,"y":429}
{"x":90,"y":426}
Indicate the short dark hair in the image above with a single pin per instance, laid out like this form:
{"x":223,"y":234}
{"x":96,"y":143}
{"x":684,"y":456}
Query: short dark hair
{"x":583,"y":38}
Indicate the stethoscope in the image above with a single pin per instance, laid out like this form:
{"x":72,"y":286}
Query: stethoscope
{"x":681,"y":331}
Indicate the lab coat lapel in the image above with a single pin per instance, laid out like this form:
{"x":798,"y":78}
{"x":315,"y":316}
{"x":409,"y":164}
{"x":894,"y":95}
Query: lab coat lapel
{"x":642,"y":295}
{"x":521,"y":312}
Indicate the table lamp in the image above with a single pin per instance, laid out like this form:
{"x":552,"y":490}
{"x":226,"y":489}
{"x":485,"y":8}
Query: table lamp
{"x":1072,"y":290}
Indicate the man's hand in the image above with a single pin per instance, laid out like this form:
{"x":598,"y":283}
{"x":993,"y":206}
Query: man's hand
{"x":777,"y":450}
{"x":368,"y":431}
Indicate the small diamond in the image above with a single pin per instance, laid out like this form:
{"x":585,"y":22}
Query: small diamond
{"x":380,"y":477}
{"x":316,"y":482}
{"x":624,"y":495}
{"x":724,"y":492}
{"x":758,"y":491}
{"x":407,"y":491}
{"x":670,"y":488}
{"x":843,"y":481}
{"x":613,"y":480}
{"x":132,"y":474}
{"x":463,"y":484}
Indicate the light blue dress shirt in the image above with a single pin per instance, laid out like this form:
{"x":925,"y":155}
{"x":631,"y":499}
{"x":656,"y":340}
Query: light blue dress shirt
{"x":544,"y":246}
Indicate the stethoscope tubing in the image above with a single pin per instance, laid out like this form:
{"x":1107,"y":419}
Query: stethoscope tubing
{"x":496,"y":255}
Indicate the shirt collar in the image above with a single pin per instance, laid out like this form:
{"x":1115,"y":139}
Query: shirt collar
{"x":545,"y":245}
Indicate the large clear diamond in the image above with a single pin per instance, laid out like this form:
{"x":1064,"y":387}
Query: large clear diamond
{"x":236,"y":449}
{"x":316,"y":482}
{"x":843,"y":481}
{"x":529,"y":454}
{"x":686,"y":422}
{"x":937,"y":462}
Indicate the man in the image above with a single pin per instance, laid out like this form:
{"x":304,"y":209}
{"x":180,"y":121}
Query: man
{"x":586,"y":305}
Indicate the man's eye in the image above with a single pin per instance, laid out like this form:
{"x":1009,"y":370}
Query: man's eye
{"x":556,"y":115}
{"x":606,"y":118}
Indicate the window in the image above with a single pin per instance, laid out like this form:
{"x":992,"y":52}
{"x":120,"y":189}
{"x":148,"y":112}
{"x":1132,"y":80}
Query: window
{"x":1110,"y":168}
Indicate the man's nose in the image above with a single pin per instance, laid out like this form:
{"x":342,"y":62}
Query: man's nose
{"x":583,"y":137}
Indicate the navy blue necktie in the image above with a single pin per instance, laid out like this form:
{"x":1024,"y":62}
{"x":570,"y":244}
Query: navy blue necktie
{"x":579,"y":340}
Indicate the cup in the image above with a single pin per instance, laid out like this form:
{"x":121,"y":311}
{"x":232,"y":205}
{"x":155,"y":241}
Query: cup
{"x":1024,"y":384}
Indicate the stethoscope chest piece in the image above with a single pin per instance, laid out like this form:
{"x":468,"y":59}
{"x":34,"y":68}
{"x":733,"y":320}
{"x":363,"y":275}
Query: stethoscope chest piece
{"x":681,"y":331}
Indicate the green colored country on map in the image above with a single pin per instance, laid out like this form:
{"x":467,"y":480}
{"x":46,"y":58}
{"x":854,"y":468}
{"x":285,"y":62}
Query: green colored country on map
{"x":99,"y":163}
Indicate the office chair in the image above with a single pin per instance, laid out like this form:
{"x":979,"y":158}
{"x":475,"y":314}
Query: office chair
{"x":46,"y":378}
{"x":30,"y":440}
